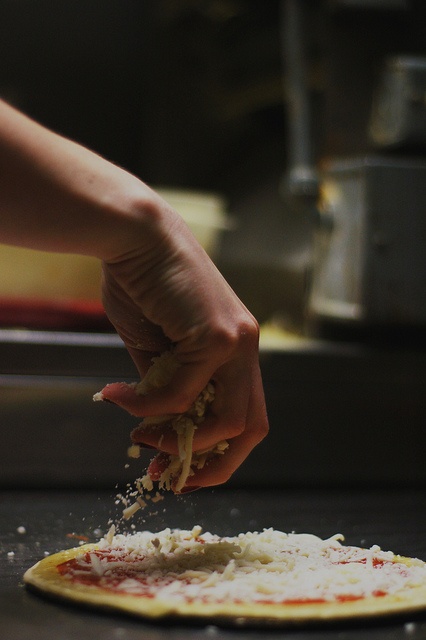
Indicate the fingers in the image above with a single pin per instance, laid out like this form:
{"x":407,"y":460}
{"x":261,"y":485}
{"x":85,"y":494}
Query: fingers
{"x":174,"y":398}
{"x":206,"y":436}
{"x":178,"y":395}
{"x":226,"y":416}
{"x":238,"y":415}
{"x":220,"y":468}
{"x":124,"y":396}
{"x":232,"y":386}
{"x":214,"y":429}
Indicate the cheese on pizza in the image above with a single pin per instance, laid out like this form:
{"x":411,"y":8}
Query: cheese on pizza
{"x":256,"y":574}
{"x":270,"y":566}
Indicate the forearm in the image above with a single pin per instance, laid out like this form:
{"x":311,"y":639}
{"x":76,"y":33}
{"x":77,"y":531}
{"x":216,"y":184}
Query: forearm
{"x":58,"y":196}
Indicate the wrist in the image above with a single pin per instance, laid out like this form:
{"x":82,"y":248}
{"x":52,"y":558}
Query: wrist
{"x":137,"y":221}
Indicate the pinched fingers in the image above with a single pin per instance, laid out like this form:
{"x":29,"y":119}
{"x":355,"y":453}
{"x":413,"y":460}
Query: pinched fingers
{"x":243,"y":427}
{"x":123,"y":395}
{"x":206,"y":436}
{"x":160,"y":435}
{"x":225,"y":418}
{"x":173,"y":398}
{"x":220,"y":467}
{"x":236,"y":417}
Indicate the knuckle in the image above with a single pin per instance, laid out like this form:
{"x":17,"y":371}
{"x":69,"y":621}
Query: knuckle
{"x":245,"y":332}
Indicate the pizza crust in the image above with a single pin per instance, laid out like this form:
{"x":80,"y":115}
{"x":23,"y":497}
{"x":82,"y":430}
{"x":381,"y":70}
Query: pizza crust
{"x":45,"y":578}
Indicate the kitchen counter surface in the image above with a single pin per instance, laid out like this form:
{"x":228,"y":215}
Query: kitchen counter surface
{"x":36,"y":523}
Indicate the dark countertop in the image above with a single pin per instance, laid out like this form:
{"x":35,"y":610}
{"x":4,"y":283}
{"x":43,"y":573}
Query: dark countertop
{"x":395,"y":520}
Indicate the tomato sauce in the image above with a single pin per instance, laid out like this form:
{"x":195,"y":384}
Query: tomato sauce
{"x":80,"y":570}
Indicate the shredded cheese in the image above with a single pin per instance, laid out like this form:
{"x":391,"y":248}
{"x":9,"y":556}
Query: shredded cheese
{"x":136,"y":498}
{"x":179,"y":468}
{"x":133,"y":451}
{"x":266,"y":567}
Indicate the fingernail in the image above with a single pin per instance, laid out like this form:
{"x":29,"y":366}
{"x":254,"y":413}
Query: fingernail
{"x":189,"y":489}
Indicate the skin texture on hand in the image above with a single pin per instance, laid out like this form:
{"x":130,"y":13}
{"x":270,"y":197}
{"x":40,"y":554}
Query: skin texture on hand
{"x":213,"y":336}
{"x":160,"y":289}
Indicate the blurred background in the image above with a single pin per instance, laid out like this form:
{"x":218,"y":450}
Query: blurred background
{"x":292,"y":135}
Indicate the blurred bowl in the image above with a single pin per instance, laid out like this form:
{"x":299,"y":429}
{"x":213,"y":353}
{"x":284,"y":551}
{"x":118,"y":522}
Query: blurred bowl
{"x":204,"y":213}
{"x":38,"y":288}
{"x":40,"y":274}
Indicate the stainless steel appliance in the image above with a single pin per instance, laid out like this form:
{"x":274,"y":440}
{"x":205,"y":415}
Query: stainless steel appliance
{"x":369,"y":261}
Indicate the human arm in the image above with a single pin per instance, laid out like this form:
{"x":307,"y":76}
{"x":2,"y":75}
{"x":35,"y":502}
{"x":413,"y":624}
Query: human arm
{"x":159,"y":286}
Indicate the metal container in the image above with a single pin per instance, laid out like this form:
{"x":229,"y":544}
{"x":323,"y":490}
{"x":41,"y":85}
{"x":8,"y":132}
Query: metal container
{"x":399,"y":108}
{"x":369,"y":258}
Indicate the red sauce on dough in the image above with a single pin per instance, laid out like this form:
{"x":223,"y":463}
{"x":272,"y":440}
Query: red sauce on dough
{"x":79,"y":570}
{"x":376,"y":562}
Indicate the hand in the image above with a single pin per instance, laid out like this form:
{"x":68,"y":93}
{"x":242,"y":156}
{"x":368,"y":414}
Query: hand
{"x":172,"y":294}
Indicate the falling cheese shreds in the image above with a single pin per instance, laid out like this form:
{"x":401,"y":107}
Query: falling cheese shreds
{"x":157,"y":498}
{"x":269,"y":567}
{"x":109,"y":536}
{"x":137,"y":497}
{"x":128,"y":512}
{"x":134,"y":451}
